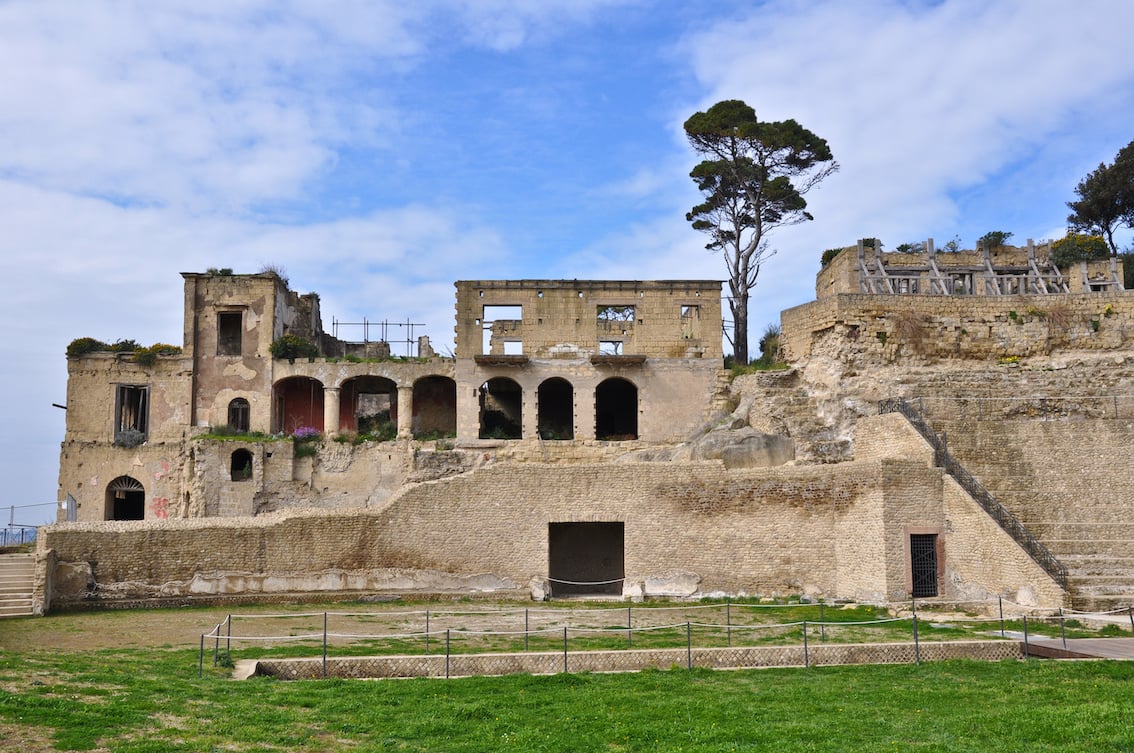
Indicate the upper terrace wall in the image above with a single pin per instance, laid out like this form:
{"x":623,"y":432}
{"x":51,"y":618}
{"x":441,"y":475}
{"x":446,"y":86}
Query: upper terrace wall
{"x":883,"y":328}
{"x":560,"y":318}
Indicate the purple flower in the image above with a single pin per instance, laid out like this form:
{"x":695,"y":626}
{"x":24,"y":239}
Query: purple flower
{"x":306,"y":432}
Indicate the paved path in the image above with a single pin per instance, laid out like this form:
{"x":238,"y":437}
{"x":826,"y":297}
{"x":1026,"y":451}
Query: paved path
{"x":1082,"y":648}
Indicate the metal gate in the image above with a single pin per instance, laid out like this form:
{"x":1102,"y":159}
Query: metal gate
{"x":923,"y":563}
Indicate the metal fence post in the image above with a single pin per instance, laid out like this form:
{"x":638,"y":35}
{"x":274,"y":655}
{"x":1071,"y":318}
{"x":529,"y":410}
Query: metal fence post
{"x":324,"y":644}
{"x":806,"y":657}
{"x":629,"y":627}
{"x":446,"y":653}
{"x":525,"y":629}
{"x":822,"y":624}
{"x":688,"y":646}
{"x":916,"y":643}
{"x":1062,"y":628}
{"x":228,"y":643}
{"x":201,"y":658}
{"x":1130,"y":611}
{"x":1026,"y":656}
{"x":728,"y":621}
{"x":564,"y":648}
{"x":427,"y":631}
{"x":1000,"y":600}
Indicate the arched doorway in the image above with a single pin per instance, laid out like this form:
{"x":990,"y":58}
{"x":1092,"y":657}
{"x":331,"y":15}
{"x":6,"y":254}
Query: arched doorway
{"x":239,"y":415}
{"x":240,"y":465}
{"x":501,"y":409}
{"x":298,"y":402}
{"x":555,"y":402}
{"x":125,"y":499}
{"x":368,"y":405}
{"x":434,"y":407}
{"x":616,"y":410}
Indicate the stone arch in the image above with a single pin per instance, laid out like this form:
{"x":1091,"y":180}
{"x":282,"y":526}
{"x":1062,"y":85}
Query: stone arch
{"x":240,"y":465}
{"x":501,"y":409}
{"x":297,"y":401}
{"x":239,"y":414}
{"x":125,"y":499}
{"x":369,"y":405}
{"x":434,"y":406}
{"x":555,"y":407}
{"x":616,"y":409}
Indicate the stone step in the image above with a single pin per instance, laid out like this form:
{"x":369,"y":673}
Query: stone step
{"x":1079,"y":565}
{"x":1081,"y":531}
{"x":1066,"y":549}
{"x":1109,"y":583}
{"x":16,"y":608}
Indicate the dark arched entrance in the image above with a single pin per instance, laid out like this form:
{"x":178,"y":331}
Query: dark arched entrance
{"x":555,"y":401}
{"x":369,"y":405}
{"x":434,"y":407}
{"x":298,"y":402}
{"x":240,"y":465}
{"x":616,"y":410}
{"x":125,"y":499}
{"x":501,"y":409}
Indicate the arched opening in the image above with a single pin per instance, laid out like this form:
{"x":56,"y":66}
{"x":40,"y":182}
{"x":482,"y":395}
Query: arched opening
{"x":240,"y":465}
{"x":616,"y":410}
{"x":434,"y":407}
{"x":501,"y":409}
{"x":239,"y":415}
{"x":125,"y":499}
{"x":298,"y":402}
{"x":555,"y":401}
{"x":368,"y":405}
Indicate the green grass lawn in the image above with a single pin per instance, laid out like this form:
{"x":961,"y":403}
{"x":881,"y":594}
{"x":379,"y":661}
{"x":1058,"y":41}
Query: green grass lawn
{"x":152,"y":700}
{"x":61,"y":689}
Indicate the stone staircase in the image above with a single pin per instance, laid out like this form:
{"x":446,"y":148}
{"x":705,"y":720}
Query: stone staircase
{"x":17,"y":583}
{"x":1041,"y":474}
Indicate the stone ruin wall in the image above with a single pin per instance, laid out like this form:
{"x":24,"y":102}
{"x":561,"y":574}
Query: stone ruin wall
{"x":867,"y":329}
{"x":837,"y":531}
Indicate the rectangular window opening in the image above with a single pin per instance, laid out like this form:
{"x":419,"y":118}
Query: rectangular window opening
{"x":229,"y":333}
{"x":610,"y":347}
{"x":608,"y":314}
{"x":500,"y":325}
{"x":131,"y":412}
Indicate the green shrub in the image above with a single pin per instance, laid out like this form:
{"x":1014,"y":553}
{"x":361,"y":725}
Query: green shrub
{"x":994,"y":239}
{"x":292,"y":347}
{"x":148,"y":356}
{"x":1075,"y":248}
{"x":83,"y":345}
{"x":829,"y":256}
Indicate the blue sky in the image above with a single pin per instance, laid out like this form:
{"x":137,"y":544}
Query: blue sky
{"x":379,"y":151}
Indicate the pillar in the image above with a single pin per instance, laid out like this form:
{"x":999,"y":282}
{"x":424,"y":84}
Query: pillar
{"x":331,"y":411}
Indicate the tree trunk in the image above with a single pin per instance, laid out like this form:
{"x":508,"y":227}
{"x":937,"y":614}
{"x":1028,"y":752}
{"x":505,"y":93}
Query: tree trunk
{"x":739,"y":307}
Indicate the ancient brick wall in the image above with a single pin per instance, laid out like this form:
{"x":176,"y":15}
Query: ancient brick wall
{"x":838,"y":531}
{"x":918,"y":328}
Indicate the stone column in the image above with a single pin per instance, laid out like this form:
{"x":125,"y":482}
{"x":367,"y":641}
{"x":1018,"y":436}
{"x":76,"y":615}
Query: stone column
{"x":405,"y":411}
{"x":331,"y":411}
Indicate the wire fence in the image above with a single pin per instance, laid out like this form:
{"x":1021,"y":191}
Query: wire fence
{"x":17,"y":535}
{"x":691,"y":626}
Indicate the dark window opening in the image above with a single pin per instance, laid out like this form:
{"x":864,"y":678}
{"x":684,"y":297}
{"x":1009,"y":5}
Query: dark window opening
{"x":125,"y":499}
{"x":131,"y":414}
{"x":616,"y":410}
{"x":434,"y":407}
{"x":240,"y":465}
{"x":230,"y":326}
{"x":239,"y":415}
{"x":586,"y":558}
{"x":923,"y":564}
{"x":555,"y":400}
{"x":501,"y":409}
